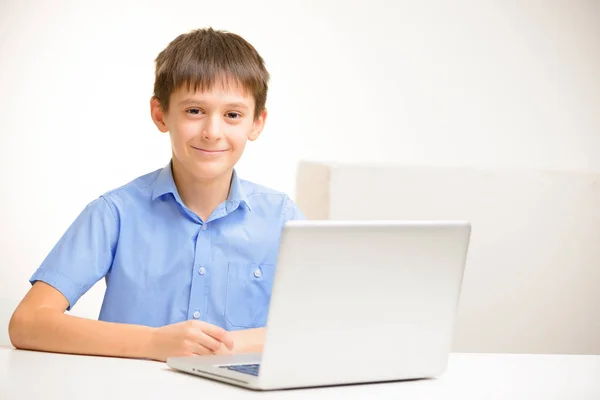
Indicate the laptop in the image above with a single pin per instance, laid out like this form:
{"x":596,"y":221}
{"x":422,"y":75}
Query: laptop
{"x":353,"y":302}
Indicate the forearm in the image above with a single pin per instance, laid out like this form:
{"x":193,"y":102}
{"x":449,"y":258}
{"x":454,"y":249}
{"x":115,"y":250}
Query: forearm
{"x":51,"y":330}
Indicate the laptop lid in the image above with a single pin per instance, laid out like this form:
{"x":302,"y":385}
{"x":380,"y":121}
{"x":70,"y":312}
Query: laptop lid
{"x":363,"y":301}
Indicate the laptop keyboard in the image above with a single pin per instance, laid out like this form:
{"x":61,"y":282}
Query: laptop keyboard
{"x":250,"y":369}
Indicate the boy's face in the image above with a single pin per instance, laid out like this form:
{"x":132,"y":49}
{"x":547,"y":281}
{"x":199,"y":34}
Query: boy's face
{"x":209,"y":129}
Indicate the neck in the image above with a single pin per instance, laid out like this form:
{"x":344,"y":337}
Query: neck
{"x":202,"y":196}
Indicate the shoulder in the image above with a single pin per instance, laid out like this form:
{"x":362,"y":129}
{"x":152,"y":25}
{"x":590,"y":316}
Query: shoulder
{"x":255,"y":191}
{"x":266,"y":199}
{"x":142,"y":184}
{"x":133,"y":193}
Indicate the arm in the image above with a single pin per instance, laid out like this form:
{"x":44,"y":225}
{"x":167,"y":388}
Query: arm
{"x":39,"y":323}
{"x":81,"y":257}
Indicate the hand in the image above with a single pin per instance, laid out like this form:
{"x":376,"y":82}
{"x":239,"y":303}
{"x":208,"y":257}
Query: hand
{"x":246,"y":341}
{"x":188,"y":338}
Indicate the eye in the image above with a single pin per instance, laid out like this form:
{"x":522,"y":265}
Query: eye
{"x":194,"y":111}
{"x":233,"y":115}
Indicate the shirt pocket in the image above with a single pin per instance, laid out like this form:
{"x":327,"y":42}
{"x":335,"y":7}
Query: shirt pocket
{"x":248,"y":294}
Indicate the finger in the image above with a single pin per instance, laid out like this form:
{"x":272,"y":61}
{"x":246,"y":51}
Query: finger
{"x":208,"y":341}
{"x":219,"y":334}
{"x":201,"y":350}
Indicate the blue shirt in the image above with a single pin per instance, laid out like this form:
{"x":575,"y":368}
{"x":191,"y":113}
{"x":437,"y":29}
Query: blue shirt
{"x":163,"y":264}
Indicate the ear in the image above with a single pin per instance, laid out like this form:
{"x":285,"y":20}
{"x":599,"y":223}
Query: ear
{"x":258,"y":125}
{"x":158,"y":115}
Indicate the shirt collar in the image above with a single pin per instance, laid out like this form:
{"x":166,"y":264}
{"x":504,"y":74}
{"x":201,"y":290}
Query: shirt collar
{"x":165,"y":184}
{"x":237,"y":194}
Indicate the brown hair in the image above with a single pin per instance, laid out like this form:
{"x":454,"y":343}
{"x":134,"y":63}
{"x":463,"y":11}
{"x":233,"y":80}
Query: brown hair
{"x":201,"y":57}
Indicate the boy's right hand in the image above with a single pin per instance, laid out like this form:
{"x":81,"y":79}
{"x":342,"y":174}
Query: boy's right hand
{"x":187,"y":338}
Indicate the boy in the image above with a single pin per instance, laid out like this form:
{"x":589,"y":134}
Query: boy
{"x":188,"y":251}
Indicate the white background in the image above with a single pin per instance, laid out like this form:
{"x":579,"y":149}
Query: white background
{"x":479,"y":83}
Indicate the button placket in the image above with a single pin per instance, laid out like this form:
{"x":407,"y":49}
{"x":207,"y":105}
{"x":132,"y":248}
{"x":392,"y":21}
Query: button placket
{"x":198,"y":301}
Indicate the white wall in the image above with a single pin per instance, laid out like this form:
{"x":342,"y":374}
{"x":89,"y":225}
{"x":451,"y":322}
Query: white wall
{"x":446,"y":83}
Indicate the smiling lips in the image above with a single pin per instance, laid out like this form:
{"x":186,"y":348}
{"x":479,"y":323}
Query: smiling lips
{"x":209,"y":152}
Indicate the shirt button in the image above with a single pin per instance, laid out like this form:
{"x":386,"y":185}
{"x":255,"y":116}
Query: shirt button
{"x":204,"y":227}
{"x":257,"y":273}
{"x":202,"y":270}
{"x":196,"y":314}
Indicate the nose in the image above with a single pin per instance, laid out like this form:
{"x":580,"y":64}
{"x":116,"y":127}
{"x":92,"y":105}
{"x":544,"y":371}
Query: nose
{"x":213,"y":129}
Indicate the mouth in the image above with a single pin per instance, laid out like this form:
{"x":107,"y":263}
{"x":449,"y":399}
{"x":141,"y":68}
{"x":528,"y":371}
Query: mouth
{"x":213,"y":152}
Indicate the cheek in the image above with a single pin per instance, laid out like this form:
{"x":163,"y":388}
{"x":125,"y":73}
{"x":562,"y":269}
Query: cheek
{"x":238,"y":140}
{"x":182,"y":133}
{"x":239,"y":135}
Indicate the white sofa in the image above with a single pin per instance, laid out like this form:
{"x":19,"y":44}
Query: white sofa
{"x":532,"y":279}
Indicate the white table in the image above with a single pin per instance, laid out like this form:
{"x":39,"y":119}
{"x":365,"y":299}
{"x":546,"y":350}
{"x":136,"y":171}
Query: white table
{"x":33,"y":375}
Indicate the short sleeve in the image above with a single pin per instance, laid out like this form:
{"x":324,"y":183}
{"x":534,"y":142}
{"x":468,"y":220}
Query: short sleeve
{"x":292,"y":211}
{"x":84,"y":253}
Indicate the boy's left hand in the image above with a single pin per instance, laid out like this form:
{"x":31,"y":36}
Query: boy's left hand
{"x":246,"y":341}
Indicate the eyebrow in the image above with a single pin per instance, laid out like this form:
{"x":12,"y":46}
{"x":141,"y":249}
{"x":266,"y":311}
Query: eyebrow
{"x":237,"y":105}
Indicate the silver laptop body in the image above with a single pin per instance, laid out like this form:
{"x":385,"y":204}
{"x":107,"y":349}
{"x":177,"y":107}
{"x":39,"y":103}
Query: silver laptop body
{"x":354,"y":302}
